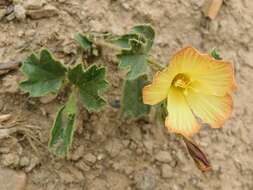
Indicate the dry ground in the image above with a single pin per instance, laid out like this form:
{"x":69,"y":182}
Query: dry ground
{"x":111,"y":154}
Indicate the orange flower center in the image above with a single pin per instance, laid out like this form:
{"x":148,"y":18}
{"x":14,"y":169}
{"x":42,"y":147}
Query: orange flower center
{"x":181,"y":81}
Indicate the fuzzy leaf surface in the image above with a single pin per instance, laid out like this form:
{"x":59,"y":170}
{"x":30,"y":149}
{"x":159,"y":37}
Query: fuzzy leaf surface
{"x":44,"y":74}
{"x":63,"y":129}
{"x":132,"y":103}
{"x":83,"y":41}
{"x":91,"y":83}
{"x":135,"y":50}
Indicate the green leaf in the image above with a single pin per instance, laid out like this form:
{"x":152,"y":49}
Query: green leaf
{"x":44,"y":74}
{"x":142,"y":33}
{"x":91,"y":83}
{"x":132,"y":104}
{"x":215,"y":54}
{"x":135,"y":50}
{"x":124,"y":40}
{"x":84,"y":41}
{"x":63,"y":129}
{"x":147,"y":31}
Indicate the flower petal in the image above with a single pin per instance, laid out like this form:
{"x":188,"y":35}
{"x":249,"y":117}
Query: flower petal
{"x":213,"y":110}
{"x":208,"y":75}
{"x":181,"y":119}
{"x":158,"y":90}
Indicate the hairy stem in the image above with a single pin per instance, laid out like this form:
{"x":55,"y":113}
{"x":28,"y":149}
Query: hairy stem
{"x":151,"y":61}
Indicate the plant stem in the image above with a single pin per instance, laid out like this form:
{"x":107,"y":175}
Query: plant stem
{"x":151,"y":61}
{"x":107,"y":44}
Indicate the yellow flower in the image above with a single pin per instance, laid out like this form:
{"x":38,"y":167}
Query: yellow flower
{"x":196,"y":86}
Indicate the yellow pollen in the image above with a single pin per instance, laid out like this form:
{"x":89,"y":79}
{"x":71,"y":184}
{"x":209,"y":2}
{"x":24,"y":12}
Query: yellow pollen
{"x":181,"y":81}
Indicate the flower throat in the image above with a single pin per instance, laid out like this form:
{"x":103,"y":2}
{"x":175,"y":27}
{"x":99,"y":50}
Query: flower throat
{"x":181,"y":81}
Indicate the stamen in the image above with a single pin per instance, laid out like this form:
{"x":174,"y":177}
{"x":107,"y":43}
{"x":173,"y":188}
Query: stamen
{"x":181,"y":81}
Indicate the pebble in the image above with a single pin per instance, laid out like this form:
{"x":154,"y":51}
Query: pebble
{"x":4,"y":2}
{"x":78,"y":153}
{"x":149,"y":144}
{"x":82,"y":166}
{"x":66,"y":177}
{"x":12,"y":180}
{"x":33,"y":163}
{"x":145,"y":180}
{"x":19,"y":12}
{"x":24,"y":161}
{"x":163,"y":156}
{"x":10,"y":159}
{"x":45,"y":12}
{"x":100,"y":157}
{"x":34,"y":4}
{"x":5,"y":117}
{"x":10,"y":84}
{"x":113,"y":147}
{"x":167,"y":171}
{"x":77,"y":173}
{"x":90,"y":158}
{"x":11,"y":16}
{"x":2,"y":13}
{"x":47,"y":99}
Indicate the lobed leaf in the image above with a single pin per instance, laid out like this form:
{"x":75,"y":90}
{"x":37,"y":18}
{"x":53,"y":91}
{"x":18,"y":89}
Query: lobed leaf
{"x":83,"y":41}
{"x":63,"y":129}
{"x":132,"y":103}
{"x":146,"y":31}
{"x":44,"y":74}
{"x":135,"y":49}
{"x":124,"y":41}
{"x":91,"y":83}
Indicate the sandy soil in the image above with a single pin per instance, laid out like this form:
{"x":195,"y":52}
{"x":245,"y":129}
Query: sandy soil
{"x":110,"y":154}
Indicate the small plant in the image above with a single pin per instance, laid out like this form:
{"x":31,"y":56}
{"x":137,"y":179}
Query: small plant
{"x":47,"y":75}
{"x":193,"y":85}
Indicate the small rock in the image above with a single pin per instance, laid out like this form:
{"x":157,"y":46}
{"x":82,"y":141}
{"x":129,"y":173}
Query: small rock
{"x":166,"y":171}
{"x":4,"y":150}
{"x":5,"y":117}
{"x":24,"y":161}
{"x":34,"y":4}
{"x":9,"y":9}
{"x":128,"y":170}
{"x":148,"y":144}
{"x":2,"y":13}
{"x":46,"y":12}
{"x":19,"y":12}
{"x":12,"y":180}
{"x":66,"y":177}
{"x":145,"y":180}
{"x":78,"y":153}
{"x":11,"y":16}
{"x":136,"y":134}
{"x":90,"y":158}
{"x":33,"y":163}
{"x":113,"y":147}
{"x":82,"y":166}
{"x":15,"y":2}
{"x":4,"y":2}
{"x":10,"y":84}
{"x":126,"y":142}
{"x":77,"y":173}
{"x":163,"y":156}
{"x":47,"y":99}
{"x":100,"y":157}
{"x":10,"y":159}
